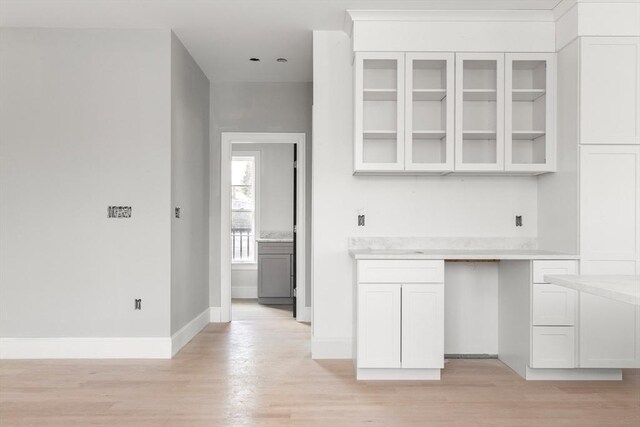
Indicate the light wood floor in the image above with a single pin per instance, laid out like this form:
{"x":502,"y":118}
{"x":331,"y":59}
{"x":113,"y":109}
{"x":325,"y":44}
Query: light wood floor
{"x":257,"y":371}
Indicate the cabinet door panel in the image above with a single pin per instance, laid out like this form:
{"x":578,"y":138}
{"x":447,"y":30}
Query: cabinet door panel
{"x":379,"y":112}
{"x":610,"y":90}
{"x":553,"y":305}
{"x":275,"y":276}
{"x":609,"y":209}
{"x":530,"y":98}
{"x":553,"y":347}
{"x":479,"y":144}
{"x":378,"y":326}
{"x":609,"y":333}
{"x":429,"y":112}
{"x":423,"y":326}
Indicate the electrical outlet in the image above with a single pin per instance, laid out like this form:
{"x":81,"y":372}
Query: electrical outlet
{"x":177,"y":212}
{"x":518,"y":220}
{"x":119,"y":212}
{"x":138,"y":304}
{"x":360,"y":220}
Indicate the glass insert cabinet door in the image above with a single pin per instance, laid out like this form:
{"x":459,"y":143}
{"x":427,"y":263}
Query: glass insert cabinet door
{"x":429,"y":111}
{"x":479,"y":112}
{"x":529,"y":112}
{"x":379,"y":112}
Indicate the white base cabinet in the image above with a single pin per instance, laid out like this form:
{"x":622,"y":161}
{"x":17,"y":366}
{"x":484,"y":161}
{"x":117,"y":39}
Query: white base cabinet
{"x":399,"y":319}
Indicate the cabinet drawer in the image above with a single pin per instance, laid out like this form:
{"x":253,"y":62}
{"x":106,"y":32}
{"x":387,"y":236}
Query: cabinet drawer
{"x":401,"y":271}
{"x":553,"y":347}
{"x":553,"y":305}
{"x":275,"y":248}
{"x":543,"y":268}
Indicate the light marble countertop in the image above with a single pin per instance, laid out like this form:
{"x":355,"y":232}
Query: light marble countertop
{"x":459,"y":254}
{"x":274,"y":240}
{"x":618,"y":288}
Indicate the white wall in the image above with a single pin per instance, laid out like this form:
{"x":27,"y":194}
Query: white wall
{"x":85,"y":121}
{"x":255,"y":107}
{"x":189,"y":187}
{"x":394,"y":206}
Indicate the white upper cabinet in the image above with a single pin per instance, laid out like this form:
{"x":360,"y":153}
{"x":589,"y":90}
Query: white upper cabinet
{"x":530,"y":98}
{"x":429,"y":112}
{"x":379,"y":112}
{"x":479,"y":108}
{"x":454,"y":112}
{"x":610,"y":90}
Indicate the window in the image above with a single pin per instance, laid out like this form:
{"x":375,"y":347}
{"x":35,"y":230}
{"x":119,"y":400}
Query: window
{"x":243,"y":208}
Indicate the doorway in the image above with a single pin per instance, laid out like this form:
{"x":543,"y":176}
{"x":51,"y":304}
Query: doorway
{"x":230,"y":242}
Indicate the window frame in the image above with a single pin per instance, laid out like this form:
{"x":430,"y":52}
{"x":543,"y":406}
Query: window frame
{"x":255,"y":156}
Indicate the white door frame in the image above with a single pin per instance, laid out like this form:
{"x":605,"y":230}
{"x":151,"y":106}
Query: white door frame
{"x":227,"y":139}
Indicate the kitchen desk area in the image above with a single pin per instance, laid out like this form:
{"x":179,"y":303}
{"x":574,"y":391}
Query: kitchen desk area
{"x":399,"y":312}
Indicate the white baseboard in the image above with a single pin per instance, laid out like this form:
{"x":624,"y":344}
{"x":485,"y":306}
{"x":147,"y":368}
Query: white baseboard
{"x":331,"y":348}
{"x":86,"y":348}
{"x":574,"y":374}
{"x":397,"y":374}
{"x":304,"y":315}
{"x":244,"y":292}
{"x":215,"y":314}
{"x":188,"y":331}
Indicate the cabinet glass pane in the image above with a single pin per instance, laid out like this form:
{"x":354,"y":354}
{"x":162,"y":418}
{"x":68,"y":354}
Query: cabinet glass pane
{"x":380,"y":111}
{"x":528,"y":111}
{"x":479,"y":111}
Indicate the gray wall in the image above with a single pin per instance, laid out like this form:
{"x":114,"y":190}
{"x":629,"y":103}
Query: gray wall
{"x":189,"y":187}
{"x":256,"y":107}
{"x":84,"y":123}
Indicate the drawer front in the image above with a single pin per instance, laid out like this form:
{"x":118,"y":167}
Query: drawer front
{"x":275,"y":248}
{"x":553,"y":347}
{"x":543,"y":268}
{"x":401,"y":271}
{"x":553,"y":305}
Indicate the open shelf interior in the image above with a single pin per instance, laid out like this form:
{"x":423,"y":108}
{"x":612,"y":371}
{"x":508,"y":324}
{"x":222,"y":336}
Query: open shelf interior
{"x":380,"y":111}
{"x":429,"y":151}
{"x":479,"y":111}
{"x":429,"y":106}
{"x":379,"y":150}
{"x":528,"y":109}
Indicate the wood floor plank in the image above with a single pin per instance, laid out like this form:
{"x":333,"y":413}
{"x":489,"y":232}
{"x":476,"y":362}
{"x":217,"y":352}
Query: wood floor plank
{"x":258,"y":371}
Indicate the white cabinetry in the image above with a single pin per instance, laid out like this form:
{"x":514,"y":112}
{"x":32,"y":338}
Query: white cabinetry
{"x":530,"y":97}
{"x":429,"y":112}
{"x":479,"y":112}
{"x":379,"y":112}
{"x":609,"y":244}
{"x":399,"y":319}
{"x":610,"y":90}
{"x":445,"y":112}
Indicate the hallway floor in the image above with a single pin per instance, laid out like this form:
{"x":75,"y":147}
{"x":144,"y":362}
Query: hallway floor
{"x":257,"y":371}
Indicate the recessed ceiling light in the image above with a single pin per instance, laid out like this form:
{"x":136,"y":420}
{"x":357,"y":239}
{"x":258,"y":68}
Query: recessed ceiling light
{"x":254,"y":59}
{"x":281,"y":59}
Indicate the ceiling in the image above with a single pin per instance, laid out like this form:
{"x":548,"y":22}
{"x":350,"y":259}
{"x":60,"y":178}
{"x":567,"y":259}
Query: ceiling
{"x":223,"y":34}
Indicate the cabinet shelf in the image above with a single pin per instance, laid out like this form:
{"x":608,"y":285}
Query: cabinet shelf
{"x":479,"y":95}
{"x":527,"y":135}
{"x":380,"y":134}
{"x":380,"y":95}
{"x":527,"y":94}
{"x":479,"y":134}
{"x":429,"y":94}
{"x":429,"y":134}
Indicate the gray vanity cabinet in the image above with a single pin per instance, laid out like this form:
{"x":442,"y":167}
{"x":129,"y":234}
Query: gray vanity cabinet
{"x":275,"y":272}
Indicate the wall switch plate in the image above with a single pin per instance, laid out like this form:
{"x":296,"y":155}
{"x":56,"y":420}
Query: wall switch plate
{"x":138,"y":304}
{"x":177,"y":212}
{"x":518,"y":221}
{"x":360,"y":220}
{"x":119,"y":212}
